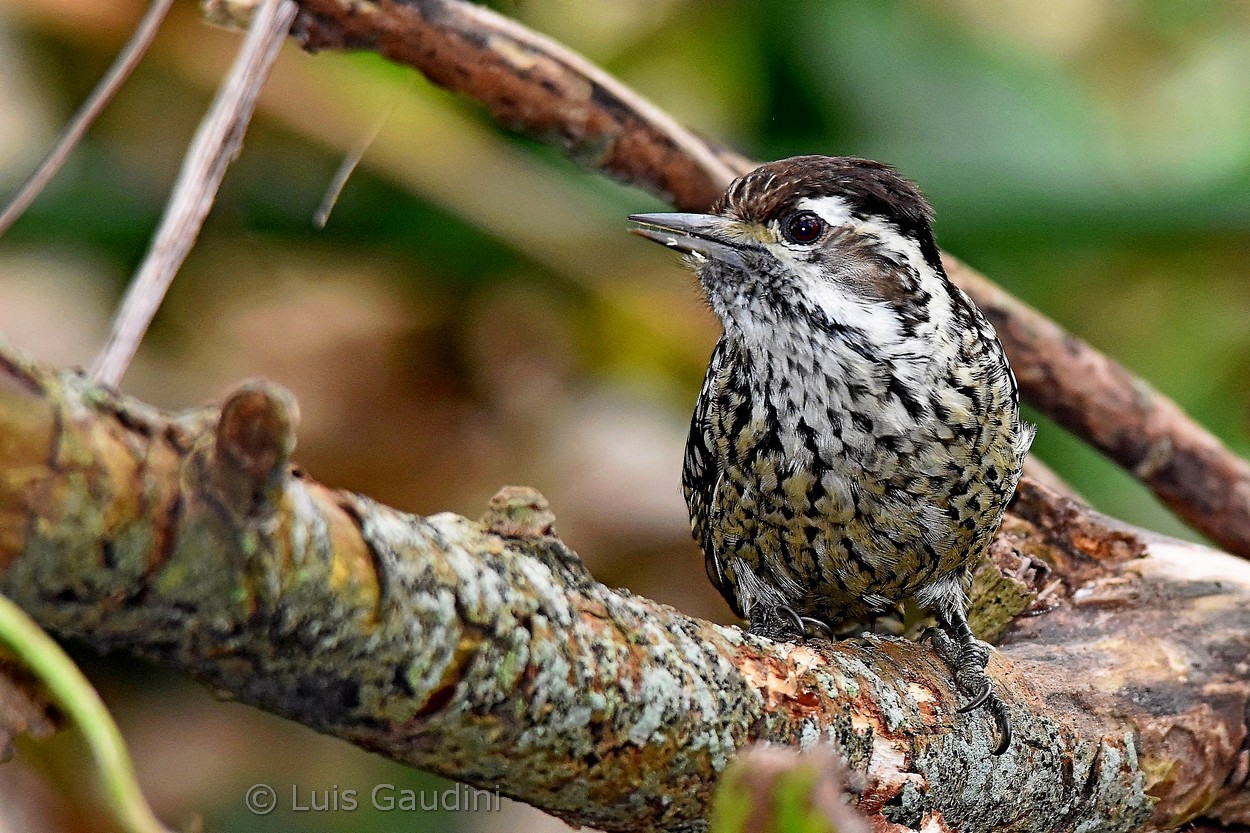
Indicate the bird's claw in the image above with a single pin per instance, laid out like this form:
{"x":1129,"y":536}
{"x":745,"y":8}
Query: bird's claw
{"x":786,"y":610}
{"x":820,"y":626}
{"x":978,"y":701}
{"x":967,"y":657}
{"x":1002,"y":718}
{"x":774,"y":625}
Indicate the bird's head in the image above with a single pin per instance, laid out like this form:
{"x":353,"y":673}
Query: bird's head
{"x":825,"y":241}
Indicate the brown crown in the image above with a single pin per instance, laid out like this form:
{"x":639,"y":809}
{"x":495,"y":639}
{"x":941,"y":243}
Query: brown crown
{"x":870,"y":188}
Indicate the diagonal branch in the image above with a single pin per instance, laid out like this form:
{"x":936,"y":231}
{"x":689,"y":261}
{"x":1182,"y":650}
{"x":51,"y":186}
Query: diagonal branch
{"x":484,"y":651}
{"x":537,"y":86}
{"x":216,"y":144}
{"x":125,"y":63}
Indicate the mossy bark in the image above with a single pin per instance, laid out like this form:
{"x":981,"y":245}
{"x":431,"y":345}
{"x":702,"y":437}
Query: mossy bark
{"x":484,"y":651}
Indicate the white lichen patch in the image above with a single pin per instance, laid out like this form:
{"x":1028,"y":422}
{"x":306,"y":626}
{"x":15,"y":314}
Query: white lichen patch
{"x":386,"y":530}
{"x":729,"y":634}
{"x":552,"y":596}
{"x":1130,"y":749}
{"x":310,"y":534}
{"x":662,"y":695}
{"x":809,"y":735}
{"x":434,"y":631}
{"x":483,"y":593}
{"x":894,"y":708}
{"x":553,"y":681}
{"x":702,"y":698}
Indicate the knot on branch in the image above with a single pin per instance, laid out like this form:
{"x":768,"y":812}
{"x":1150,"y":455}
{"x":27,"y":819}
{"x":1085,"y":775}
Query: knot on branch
{"x":519,"y":512}
{"x":254,"y":441}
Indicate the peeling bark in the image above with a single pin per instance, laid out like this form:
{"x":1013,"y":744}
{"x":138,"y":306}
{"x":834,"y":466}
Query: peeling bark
{"x":485,"y":652}
{"x":534,"y":85}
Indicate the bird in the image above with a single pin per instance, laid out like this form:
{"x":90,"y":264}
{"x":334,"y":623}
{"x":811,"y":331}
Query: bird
{"x":857,"y":436}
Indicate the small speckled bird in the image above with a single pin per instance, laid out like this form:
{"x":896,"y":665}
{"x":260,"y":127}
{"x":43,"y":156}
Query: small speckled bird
{"x":858,"y":433}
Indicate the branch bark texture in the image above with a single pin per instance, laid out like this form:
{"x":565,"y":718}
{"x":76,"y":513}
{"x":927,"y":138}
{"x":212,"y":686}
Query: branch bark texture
{"x":484,"y":651}
{"x":534,"y":85}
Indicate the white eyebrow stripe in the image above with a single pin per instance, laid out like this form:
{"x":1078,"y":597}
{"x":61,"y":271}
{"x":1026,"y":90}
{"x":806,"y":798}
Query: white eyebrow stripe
{"x":836,"y":211}
{"x":832,"y":209}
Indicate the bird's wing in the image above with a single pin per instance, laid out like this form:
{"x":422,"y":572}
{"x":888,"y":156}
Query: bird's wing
{"x":701,"y":473}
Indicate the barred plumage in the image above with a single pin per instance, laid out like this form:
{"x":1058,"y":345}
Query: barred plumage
{"x":857,"y":437}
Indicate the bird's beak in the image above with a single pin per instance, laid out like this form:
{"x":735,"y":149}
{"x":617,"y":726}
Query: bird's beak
{"x":700,"y":234}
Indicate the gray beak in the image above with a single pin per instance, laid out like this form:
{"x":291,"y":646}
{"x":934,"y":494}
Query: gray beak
{"x":699,"y":234}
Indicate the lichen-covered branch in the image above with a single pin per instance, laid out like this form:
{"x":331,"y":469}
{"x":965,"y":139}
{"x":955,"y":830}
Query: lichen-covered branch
{"x":532,"y":84}
{"x":484,"y":650}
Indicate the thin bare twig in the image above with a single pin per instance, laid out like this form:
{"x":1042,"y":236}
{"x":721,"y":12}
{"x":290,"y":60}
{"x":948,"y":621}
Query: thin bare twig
{"x":216,"y":144}
{"x":125,"y":63}
{"x":351,"y":161}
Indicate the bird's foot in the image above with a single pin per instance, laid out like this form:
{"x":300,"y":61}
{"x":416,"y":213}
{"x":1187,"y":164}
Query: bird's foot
{"x":967,"y":658}
{"x":785,"y":624}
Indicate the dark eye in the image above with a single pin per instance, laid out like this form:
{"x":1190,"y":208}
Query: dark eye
{"x":803,"y":227}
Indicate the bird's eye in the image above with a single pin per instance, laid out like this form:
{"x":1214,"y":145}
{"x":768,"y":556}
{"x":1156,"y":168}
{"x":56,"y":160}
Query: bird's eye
{"x":803,"y":227}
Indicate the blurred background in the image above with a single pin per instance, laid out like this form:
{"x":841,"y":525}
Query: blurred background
{"x":474,"y":314}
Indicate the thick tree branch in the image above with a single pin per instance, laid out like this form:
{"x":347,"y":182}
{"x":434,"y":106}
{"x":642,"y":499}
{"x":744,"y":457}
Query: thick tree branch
{"x":485,"y":652}
{"x":537,"y":86}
